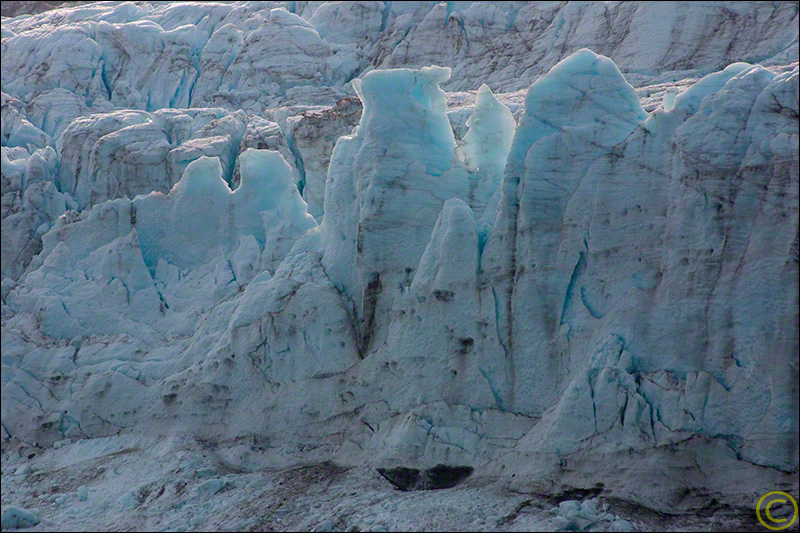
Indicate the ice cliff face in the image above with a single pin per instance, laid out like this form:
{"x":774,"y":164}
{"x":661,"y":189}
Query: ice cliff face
{"x":273,"y":75}
{"x":206,"y":234}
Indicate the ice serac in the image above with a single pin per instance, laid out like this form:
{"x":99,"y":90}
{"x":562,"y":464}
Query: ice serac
{"x":150,"y":276}
{"x":484,"y":148}
{"x":440,"y":328}
{"x":31,"y":203}
{"x":573,"y":116}
{"x":282,"y":52}
{"x":311,"y":321}
{"x":107,"y":156}
{"x":201,"y":217}
{"x":385,"y":186}
{"x":675,"y":339}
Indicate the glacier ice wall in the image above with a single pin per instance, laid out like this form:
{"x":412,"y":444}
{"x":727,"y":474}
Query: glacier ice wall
{"x":560,"y":300}
{"x":289,"y":63}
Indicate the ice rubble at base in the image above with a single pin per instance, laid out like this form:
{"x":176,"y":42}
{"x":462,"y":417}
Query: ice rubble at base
{"x":573,"y":515}
{"x":17,"y":518}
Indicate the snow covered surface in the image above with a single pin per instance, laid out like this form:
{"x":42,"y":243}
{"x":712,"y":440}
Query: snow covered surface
{"x":240,"y":238}
{"x":179,"y":484}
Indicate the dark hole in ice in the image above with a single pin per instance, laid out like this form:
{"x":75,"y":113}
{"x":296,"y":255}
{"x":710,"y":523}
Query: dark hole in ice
{"x":402,"y":478}
{"x":438,"y":477}
{"x":581,"y":494}
{"x":443,"y":476}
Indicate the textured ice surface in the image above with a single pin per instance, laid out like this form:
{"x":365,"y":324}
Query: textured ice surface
{"x":144,"y":484}
{"x":207,"y":237}
{"x":17,"y":518}
{"x":140,"y":63}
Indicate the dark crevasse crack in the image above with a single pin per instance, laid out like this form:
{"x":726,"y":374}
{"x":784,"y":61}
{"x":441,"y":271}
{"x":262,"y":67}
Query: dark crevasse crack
{"x":298,"y":159}
{"x":577,"y":272}
{"x":495,"y":393}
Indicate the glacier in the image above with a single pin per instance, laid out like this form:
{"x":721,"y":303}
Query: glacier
{"x":556,"y":242}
